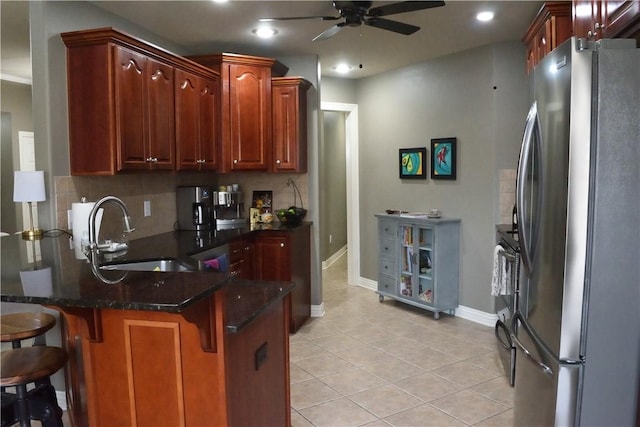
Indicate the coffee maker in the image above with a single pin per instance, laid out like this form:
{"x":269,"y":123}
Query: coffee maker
{"x":194,"y":208}
{"x":228,"y":209}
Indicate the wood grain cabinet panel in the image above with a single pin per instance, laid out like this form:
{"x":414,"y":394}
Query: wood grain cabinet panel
{"x":246,"y":109}
{"x":596,"y":19}
{"x":286,"y":256}
{"x":144,"y":111}
{"x":551,"y":26}
{"x":122,"y":114}
{"x":197,"y":118}
{"x":289,"y":101}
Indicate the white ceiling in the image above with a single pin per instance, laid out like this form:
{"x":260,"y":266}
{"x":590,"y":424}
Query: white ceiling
{"x":207,"y":27}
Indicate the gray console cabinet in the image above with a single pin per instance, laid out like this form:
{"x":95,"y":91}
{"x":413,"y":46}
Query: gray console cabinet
{"x":418,"y":261}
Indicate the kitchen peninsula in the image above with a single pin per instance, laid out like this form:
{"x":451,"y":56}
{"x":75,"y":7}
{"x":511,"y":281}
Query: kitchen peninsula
{"x":161,"y":348}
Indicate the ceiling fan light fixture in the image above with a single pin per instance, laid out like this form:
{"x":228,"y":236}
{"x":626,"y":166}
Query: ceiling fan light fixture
{"x":485,"y":16}
{"x":265,"y":32}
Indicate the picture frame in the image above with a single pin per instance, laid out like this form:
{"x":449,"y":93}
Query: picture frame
{"x":412,"y":163}
{"x":444,"y":154}
{"x":262,"y":201}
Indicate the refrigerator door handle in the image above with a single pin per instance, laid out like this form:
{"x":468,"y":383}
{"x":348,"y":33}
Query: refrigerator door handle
{"x":531,"y":131}
{"x":543,"y":366}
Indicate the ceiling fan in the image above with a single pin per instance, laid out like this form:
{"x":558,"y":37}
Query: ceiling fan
{"x":356,"y":13}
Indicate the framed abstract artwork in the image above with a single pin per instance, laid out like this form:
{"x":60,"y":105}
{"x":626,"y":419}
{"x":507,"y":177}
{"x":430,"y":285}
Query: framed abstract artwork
{"x":443,"y":158}
{"x":413,"y":163}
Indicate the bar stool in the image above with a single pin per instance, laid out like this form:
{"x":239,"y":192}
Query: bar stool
{"x":21,"y":366}
{"x":15,"y":327}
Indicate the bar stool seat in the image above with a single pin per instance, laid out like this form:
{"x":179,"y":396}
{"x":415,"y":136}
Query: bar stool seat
{"x":21,"y":326}
{"x":21,"y":366}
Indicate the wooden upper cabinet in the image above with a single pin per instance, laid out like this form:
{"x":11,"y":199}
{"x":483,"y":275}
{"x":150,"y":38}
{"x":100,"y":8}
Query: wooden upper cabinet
{"x":121,"y":97}
{"x":551,"y":26}
{"x":144,"y":111}
{"x":249,"y":116}
{"x":289,"y":103}
{"x":596,"y":19}
{"x":245,"y":109}
{"x":197,"y":129}
{"x":621,"y":19}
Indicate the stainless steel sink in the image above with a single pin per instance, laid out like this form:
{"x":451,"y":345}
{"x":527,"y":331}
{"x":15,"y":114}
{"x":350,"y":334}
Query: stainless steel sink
{"x":161,"y":265}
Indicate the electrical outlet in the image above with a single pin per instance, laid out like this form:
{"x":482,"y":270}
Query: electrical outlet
{"x":147,"y":208}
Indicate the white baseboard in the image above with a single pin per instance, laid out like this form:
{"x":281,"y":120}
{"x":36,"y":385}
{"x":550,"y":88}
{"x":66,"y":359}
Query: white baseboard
{"x":468,"y":313}
{"x":61,"y":397}
{"x":333,"y":258}
{"x":317,"y":310}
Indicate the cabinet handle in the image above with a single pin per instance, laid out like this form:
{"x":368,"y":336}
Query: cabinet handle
{"x":282,"y":245}
{"x":277,"y":162}
{"x":235,"y":161}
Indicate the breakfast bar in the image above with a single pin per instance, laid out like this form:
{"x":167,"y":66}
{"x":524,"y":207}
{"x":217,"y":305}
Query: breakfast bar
{"x":160,"y":347}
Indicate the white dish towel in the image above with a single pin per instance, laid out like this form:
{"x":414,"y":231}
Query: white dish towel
{"x":500,"y":281}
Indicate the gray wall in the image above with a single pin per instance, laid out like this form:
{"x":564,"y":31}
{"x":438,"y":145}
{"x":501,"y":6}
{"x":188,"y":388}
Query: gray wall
{"x":478,"y":96}
{"x":333,"y":191}
{"x":16,"y":116}
{"x":339,"y":90}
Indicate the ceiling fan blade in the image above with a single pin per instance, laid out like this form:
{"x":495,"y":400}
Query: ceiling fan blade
{"x":395,"y":26}
{"x":291,"y":18}
{"x":402,"y":7}
{"x":330,"y":32}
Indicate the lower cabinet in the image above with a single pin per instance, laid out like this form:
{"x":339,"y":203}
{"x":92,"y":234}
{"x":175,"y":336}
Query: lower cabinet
{"x":418,"y":261}
{"x":242,"y":258}
{"x":285,"y":255}
{"x":149,"y":369}
{"x":257,"y":371}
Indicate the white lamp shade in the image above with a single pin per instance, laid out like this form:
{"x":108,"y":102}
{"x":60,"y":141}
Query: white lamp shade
{"x":28,"y":186}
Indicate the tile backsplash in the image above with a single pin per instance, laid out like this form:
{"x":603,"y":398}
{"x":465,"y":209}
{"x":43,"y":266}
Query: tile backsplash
{"x":507,"y":194}
{"x":160,"y":190}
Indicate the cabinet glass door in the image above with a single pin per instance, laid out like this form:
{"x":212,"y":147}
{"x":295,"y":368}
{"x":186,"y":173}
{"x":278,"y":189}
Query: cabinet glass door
{"x":406,"y":261}
{"x":425,"y":264}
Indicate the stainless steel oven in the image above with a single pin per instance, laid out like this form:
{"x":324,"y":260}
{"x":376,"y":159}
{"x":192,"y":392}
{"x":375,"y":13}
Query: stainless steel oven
{"x":506,"y":303}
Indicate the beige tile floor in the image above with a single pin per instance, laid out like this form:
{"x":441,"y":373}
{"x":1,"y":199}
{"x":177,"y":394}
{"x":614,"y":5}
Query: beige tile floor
{"x":367,"y":363}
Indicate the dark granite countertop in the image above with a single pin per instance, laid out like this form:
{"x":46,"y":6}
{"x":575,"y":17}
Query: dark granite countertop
{"x":55,"y":277}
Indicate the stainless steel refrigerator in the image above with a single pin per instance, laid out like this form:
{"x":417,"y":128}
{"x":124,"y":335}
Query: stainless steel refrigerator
{"x":577,"y":325}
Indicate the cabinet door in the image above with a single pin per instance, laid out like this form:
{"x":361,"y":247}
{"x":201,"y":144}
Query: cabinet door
{"x":621,"y":19}
{"x":426,"y":290}
{"x":586,"y":14}
{"x":187,"y":118}
{"x":289,"y":134}
{"x":209,"y":103}
{"x":196,"y":123}
{"x":161,"y":115}
{"x":272,"y":258}
{"x":250,"y":116}
{"x":407,"y":257}
{"x":130,"y":101}
{"x":144,"y":111}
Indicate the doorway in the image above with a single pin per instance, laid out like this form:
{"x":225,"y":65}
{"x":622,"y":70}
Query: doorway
{"x":352,"y":186}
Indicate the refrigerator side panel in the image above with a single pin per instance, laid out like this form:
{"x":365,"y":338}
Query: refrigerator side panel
{"x":612,"y":338}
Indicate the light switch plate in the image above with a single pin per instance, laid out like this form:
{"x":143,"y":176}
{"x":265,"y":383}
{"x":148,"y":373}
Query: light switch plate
{"x":147,"y":208}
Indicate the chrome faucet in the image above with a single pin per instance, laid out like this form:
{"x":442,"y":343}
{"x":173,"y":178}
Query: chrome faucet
{"x":93,"y":238}
{"x":92,"y":250}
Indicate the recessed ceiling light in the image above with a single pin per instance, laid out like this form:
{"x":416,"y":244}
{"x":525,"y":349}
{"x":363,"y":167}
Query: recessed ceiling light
{"x":220,"y":1}
{"x":342,"y":68}
{"x":484,"y":16}
{"x":265,"y":32}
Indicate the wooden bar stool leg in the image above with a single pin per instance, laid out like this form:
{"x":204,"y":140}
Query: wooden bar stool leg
{"x":23,"y":405}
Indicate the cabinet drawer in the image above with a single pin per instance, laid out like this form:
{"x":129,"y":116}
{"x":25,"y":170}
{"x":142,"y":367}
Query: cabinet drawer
{"x":387,"y":229}
{"x":387,"y":267}
{"x":387,"y":248}
{"x":387,"y":283}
